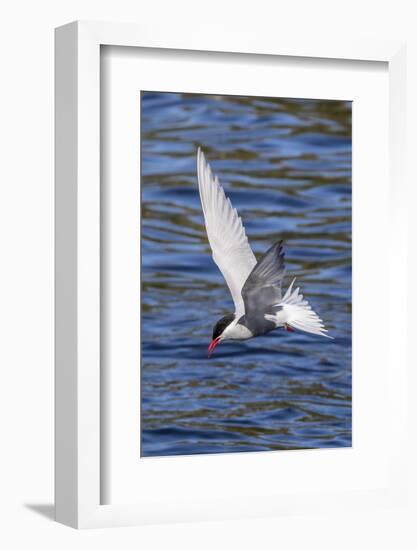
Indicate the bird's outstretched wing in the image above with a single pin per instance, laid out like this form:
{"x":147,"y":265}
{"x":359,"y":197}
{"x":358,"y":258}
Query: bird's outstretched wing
{"x":262,"y":288}
{"x":226,"y":234}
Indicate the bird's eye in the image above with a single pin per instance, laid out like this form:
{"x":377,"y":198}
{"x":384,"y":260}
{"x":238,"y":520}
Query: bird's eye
{"x":221,"y":325}
{"x":217,"y":331}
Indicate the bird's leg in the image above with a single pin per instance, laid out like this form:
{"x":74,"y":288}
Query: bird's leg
{"x":288,"y":328}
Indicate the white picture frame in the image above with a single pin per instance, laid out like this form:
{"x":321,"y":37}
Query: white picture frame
{"x":78,"y":321}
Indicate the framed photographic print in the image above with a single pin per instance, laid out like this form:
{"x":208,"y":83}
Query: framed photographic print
{"x":222,"y":246}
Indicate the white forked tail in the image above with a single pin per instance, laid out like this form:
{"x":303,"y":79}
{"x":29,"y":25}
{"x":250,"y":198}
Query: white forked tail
{"x":297,"y":313}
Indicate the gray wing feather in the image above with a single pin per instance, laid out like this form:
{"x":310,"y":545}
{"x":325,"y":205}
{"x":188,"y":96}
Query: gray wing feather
{"x":262,"y":288}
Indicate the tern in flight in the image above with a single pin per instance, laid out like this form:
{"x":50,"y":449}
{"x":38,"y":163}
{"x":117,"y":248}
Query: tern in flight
{"x":256,"y":286}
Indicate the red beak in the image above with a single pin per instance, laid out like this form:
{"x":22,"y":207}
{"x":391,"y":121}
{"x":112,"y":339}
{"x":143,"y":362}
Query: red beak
{"x":212,"y":345}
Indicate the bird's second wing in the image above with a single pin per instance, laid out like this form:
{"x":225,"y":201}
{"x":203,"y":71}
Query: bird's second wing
{"x":263,"y":286}
{"x":226,"y":234}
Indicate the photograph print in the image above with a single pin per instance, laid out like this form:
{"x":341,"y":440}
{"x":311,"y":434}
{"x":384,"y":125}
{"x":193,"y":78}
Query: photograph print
{"x":246,"y":257}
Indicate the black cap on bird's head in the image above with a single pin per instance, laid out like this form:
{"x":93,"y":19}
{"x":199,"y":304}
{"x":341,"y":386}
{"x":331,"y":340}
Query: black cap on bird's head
{"x":218,"y":330}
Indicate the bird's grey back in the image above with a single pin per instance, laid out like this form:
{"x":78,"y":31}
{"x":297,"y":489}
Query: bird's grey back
{"x":262,"y":288}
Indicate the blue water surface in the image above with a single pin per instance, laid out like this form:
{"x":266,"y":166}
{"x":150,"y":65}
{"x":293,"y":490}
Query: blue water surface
{"x":286,"y":165}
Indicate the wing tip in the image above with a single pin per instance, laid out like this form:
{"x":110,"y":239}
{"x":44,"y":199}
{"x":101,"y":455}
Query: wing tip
{"x":201,"y":158}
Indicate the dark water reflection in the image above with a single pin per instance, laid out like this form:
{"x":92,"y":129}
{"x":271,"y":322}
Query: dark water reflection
{"x":286,"y":165}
